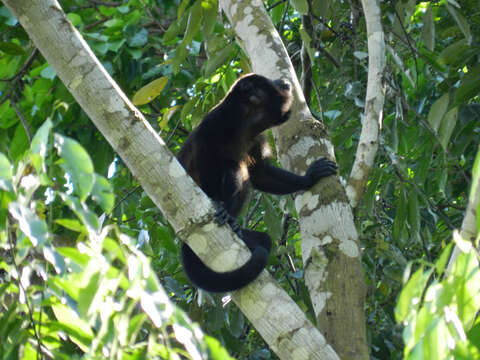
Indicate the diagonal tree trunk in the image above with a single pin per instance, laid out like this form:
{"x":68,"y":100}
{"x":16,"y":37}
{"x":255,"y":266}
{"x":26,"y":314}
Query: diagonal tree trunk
{"x":330,"y":247}
{"x":275,"y":316}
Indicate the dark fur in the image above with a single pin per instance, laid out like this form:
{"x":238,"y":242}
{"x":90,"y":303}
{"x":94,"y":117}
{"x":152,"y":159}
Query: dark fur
{"x":226,"y":153}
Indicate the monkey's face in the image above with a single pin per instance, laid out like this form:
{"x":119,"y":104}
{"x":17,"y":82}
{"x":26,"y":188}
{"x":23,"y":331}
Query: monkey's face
{"x":266,"y":103}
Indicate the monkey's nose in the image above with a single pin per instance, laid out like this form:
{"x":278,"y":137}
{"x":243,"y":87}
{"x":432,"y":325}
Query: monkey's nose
{"x":283,"y":84}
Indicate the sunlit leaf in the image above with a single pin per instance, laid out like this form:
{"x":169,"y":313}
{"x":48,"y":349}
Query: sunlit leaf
{"x":5,"y":173}
{"x":102,"y":193}
{"x":78,"y":330}
{"x":31,"y":225}
{"x":150,"y":91}
{"x":77,"y":163}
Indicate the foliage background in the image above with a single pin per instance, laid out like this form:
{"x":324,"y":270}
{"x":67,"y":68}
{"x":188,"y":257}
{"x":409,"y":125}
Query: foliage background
{"x":416,"y":196}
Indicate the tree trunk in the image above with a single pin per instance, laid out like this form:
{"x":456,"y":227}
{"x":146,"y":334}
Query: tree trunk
{"x":330,"y":247}
{"x":276,"y":317}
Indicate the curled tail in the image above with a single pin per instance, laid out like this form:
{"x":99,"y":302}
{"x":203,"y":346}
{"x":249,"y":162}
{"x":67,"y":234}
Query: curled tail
{"x":207,"y":279}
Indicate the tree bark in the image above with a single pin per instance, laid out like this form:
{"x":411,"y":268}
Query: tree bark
{"x":330,"y":247}
{"x":372,"y":120}
{"x":276,"y":317}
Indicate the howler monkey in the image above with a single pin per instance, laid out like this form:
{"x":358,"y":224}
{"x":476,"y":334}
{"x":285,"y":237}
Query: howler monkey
{"x":226,"y":153}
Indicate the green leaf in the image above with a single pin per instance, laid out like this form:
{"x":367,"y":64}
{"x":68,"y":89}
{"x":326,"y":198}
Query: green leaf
{"x":77,"y":163}
{"x":102,"y":193}
{"x":462,"y":23}
{"x":150,"y":91}
{"x":74,"y":18}
{"x":194,"y":22}
{"x":5,"y":173}
{"x":77,"y":329}
{"x":218,"y":59}
{"x":54,"y":258}
{"x":39,"y":146}
{"x":448,"y":124}
{"x":139,"y":38}
{"x":469,"y":86}
{"x":167,"y":116}
{"x":84,"y":214}
{"x":454,"y":54}
{"x":210,"y":14}
{"x":11,"y":48}
{"x":437,"y":111}
{"x":409,"y":299}
{"x":30,"y":224}
{"x":301,"y":6}
{"x":175,"y":29}
{"x":428,"y":32}
{"x":87,"y":295}
{"x":48,"y":73}
{"x":414,"y":215}
{"x":71,"y":224}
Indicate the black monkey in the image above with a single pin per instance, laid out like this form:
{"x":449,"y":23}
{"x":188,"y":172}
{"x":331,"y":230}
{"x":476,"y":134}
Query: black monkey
{"x":226,"y":153}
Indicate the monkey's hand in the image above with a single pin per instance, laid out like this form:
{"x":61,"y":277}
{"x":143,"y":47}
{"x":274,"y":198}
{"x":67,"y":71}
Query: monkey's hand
{"x":319,"y":169}
{"x":222,"y":217}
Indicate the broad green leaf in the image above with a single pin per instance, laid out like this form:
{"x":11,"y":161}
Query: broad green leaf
{"x":5,"y":173}
{"x":102,"y":193}
{"x":74,"y":18}
{"x":437,"y":111}
{"x":54,"y":258}
{"x":83,"y":213}
{"x":150,"y":91}
{"x":39,"y":146}
{"x":77,"y":164}
{"x":409,"y":299}
{"x":401,"y":215}
{"x":301,"y":6}
{"x":428,"y":32}
{"x":436,"y":340}
{"x":11,"y":48}
{"x":219,"y":58}
{"x":210,"y":14}
{"x":87,"y":295}
{"x":216,"y":350}
{"x":448,"y":124}
{"x":454,"y":53}
{"x":462,"y":23}
{"x":180,"y":55}
{"x":175,"y":29}
{"x":414,"y":215}
{"x":469,"y":86}
{"x":71,"y":224}
{"x":31,"y":225}
{"x":139,"y":38}
{"x":194,"y":22}
{"x":40,"y":140}
{"x":182,"y":7}
{"x":77,"y":329}
{"x":167,"y":115}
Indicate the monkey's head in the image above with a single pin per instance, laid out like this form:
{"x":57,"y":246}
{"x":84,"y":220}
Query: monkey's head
{"x":266,"y":102}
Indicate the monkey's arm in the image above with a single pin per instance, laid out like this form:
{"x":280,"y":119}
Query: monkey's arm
{"x":271,"y":179}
